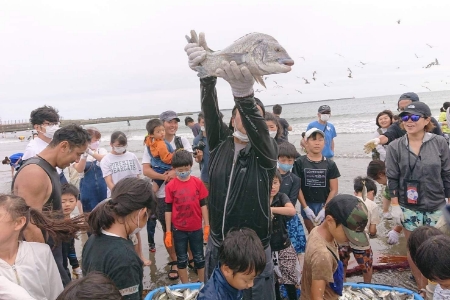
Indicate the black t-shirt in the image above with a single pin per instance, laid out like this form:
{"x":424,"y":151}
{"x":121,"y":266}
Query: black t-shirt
{"x":279,"y":239}
{"x":315,"y":177}
{"x":285,"y":125}
{"x":290,"y":185}
{"x":116,"y":258}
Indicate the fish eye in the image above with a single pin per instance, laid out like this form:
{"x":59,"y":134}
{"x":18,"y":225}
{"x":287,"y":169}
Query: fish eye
{"x":277,"y":49}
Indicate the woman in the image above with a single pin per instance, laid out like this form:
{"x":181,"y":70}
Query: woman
{"x":418,"y":172}
{"x":384,"y":120}
{"x":14,"y":161}
{"x":109,"y":250}
{"x":92,"y":184}
{"x":31,"y":265}
{"x":275,"y":129}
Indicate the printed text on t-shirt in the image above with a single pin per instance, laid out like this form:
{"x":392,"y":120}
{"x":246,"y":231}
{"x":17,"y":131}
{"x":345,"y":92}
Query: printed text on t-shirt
{"x":121,"y":166}
{"x":315,"y":177}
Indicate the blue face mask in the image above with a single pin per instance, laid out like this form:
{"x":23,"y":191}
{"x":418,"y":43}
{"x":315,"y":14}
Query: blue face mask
{"x":183,"y":175}
{"x":285,"y":167}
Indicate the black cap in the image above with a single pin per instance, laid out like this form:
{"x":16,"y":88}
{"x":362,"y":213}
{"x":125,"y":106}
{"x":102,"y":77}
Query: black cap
{"x":324,"y":108}
{"x":409,"y":96}
{"x":417,"y":108}
{"x":169,"y":116}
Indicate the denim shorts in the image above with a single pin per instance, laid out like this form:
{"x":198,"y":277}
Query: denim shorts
{"x":181,"y":239}
{"x":315,"y":207}
{"x":415,"y":219}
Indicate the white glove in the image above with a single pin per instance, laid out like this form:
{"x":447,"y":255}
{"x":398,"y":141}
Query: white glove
{"x":196,"y":55}
{"x":309,"y":213}
{"x":77,"y":273}
{"x":90,"y":152}
{"x":320,"y":216}
{"x":397,"y":214}
{"x":392,"y":237}
{"x":370,"y":145}
{"x":84,"y":155}
{"x":239,"y":78}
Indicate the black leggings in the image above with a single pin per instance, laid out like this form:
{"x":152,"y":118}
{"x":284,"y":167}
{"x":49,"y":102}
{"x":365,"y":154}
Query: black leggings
{"x":290,"y":289}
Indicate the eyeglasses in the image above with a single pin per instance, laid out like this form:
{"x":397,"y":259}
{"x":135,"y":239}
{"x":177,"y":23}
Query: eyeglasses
{"x":413,"y":118}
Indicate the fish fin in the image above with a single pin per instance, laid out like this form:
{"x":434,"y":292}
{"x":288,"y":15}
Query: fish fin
{"x":239,"y":58}
{"x":202,"y":73}
{"x":188,"y":38}
{"x":260,"y":80}
{"x":202,"y":42}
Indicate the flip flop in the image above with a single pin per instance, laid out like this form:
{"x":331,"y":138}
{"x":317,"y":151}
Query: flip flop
{"x":172,"y":271}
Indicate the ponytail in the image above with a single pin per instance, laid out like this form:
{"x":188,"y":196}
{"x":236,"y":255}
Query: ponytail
{"x":102,"y":216}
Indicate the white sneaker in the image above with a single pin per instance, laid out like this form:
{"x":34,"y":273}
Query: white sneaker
{"x":387,"y":216}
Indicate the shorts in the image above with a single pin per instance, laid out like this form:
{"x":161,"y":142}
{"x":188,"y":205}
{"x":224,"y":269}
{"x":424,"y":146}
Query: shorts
{"x":316,"y":208}
{"x":161,"y":212}
{"x":416,"y":219}
{"x":364,"y":258}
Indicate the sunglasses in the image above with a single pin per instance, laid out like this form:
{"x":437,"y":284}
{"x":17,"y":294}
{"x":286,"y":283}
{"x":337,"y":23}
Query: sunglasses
{"x":413,"y":118}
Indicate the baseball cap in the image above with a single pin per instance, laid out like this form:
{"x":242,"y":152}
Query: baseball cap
{"x":417,"y":108}
{"x":409,"y":96}
{"x":311,"y":131}
{"x":352,"y":214}
{"x":169,"y":116}
{"x":324,"y":108}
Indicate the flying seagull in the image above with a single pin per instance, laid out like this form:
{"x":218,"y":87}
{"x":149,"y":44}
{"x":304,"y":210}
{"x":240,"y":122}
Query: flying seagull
{"x":258,"y":91}
{"x":278,"y":86}
{"x":429,"y":45}
{"x":437,"y":62}
{"x":306,"y":80}
{"x":302,"y":57}
{"x":403,"y":84}
{"x":350,"y":74}
{"x":426,"y":88}
{"x":398,"y":21}
{"x":363,"y":63}
{"x":299,"y":91}
{"x":339,"y":54}
{"x":417,"y":55}
{"x":326,"y":85}
{"x":275,"y":82}
{"x":314,"y":74}
{"x":265,"y":78}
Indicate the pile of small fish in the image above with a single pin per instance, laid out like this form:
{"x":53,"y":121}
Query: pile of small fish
{"x":178,"y":294}
{"x":350,"y":293}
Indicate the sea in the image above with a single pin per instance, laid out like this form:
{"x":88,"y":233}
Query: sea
{"x":354,"y":120}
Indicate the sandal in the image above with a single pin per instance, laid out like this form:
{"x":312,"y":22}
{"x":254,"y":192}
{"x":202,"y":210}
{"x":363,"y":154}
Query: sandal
{"x":191,"y":266}
{"x":172,"y":271}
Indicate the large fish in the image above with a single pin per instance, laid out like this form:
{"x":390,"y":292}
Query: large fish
{"x":259,"y":52}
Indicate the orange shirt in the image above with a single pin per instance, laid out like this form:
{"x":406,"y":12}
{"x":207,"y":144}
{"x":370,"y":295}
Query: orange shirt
{"x":159,"y":149}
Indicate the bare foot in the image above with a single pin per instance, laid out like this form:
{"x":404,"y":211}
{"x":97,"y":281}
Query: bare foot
{"x":146,"y":262}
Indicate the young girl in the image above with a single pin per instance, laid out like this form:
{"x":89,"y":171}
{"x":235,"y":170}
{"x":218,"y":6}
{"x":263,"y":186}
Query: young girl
{"x":286,"y":265}
{"x":31,"y":265}
{"x":109,"y":250}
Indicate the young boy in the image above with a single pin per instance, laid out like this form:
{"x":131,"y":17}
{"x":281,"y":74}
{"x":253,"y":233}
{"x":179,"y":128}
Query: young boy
{"x":185,"y":207}
{"x":319,"y":179}
{"x":161,"y":152}
{"x":69,"y":196}
{"x":363,"y":255}
{"x":241,"y":259}
{"x":345,"y":221}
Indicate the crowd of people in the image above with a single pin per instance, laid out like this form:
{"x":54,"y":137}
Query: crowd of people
{"x":243,"y":206}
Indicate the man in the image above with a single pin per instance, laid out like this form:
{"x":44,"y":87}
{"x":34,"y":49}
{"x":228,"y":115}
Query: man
{"x":202,"y":155}
{"x":170,"y":121}
{"x":38,"y":181}
{"x":242,"y":165}
{"x":284,"y":124}
{"x":319,"y":178}
{"x":324,"y":114}
{"x":394,"y":131}
{"x":45,"y":120}
{"x":195,"y":127}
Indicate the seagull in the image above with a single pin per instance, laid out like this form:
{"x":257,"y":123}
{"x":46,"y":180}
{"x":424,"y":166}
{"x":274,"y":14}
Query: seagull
{"x":306,"y":80}
{"x":403,"y":84}
{"x":430,"y":64}
{"x":398,"y":21}
{"x":339,"y":54}
{"x":275,"y":82}
{"x":350,"y":74}
{"x":325,"y":85}
{"x":363,"y":63}
{"x":426,"y":88}
{"x":359,"y":66}
{"x":265,"y":78}
{"x":258,"y":91}
{"x":278,"y":86}
{"x":314,"y":73}
{"x":398,"y":68}
{"x":429,"y":45}
{"x":299,"y":91}
{"x":302,"y":57}
{"x":437,"y":62}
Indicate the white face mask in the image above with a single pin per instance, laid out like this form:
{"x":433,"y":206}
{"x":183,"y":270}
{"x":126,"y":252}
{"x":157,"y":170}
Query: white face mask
{"x":324,"y":117}
{"x":239,"y":135}
{"x":202,"y":128}
{"x":120,"y":150}
{"x":94,"y":145}
{"x":50,"y":131}
{"x":135,"y":231}
{"x":272,"y":133}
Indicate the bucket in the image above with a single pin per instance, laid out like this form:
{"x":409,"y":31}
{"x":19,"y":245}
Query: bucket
{"x":383,"y":288}
{"x":192,"y":286}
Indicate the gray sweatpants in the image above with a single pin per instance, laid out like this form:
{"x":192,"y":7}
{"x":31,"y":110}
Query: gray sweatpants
{"x":264,"y":284}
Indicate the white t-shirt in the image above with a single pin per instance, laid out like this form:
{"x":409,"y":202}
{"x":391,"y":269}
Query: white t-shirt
{"x":35,"y":147}
{"x":120,"y":166}
{"x":161,"y":193}
{"x":12,"y":291}
{"x":373,"y":216}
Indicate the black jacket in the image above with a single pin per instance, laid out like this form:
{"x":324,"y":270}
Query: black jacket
{"x":238,"y":192}
{"x":394,"y":131}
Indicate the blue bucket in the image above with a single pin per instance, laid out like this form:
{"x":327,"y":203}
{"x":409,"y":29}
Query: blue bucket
{"x":383,"y":288}
{"x":192,"y":286}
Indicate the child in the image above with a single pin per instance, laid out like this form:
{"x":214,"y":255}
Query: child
{"x":283,"y":254}
{"x":185,"y":207}
{"x":431,"y":258}
{"x":30,"y":265}
{"x":69,"y":195}
{"x":241,"y":259}
{"x":363,"y":255}
{"x":290,"y":185}
{"x":345,"y":221}
{"x":160,"y":151}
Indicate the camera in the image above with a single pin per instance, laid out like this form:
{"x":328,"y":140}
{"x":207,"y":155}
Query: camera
{"x":201,"y":146}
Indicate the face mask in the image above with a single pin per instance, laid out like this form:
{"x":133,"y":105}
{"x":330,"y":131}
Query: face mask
{"x":94,"y":145}
{"x":325,"y":117}
{"x":202,"y":128}
{"x":239,"y":135}
{"x":135,"y":231}
{"x":50,"y":131}
{"x":285,"y":167}
{"x":120,"y":150}
{"x":272,"y":133}
{"x":183,"y":175}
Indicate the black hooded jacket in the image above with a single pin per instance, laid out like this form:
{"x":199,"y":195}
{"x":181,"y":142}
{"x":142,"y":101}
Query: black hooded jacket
{"x":238,"y":191}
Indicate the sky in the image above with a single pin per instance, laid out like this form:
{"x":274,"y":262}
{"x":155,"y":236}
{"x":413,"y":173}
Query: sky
{"x":101,"y":58}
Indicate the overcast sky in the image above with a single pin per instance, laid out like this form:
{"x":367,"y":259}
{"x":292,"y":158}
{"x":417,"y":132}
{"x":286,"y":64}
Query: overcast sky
{"x":118,"y":58}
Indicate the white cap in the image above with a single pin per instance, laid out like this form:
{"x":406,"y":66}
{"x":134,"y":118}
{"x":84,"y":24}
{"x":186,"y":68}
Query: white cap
{"x":311,"y":131}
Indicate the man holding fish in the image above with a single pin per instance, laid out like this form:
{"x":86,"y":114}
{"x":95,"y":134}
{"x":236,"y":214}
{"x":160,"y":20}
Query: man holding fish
{"x":243,"y":157}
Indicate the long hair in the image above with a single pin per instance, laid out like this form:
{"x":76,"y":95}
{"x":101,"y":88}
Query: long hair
{"x":271,"y":117}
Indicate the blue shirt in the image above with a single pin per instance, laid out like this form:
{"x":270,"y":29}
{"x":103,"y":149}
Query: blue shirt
{"x":330,"y":134}
{"x":205,"y":161}
{"x":217,"y":288}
